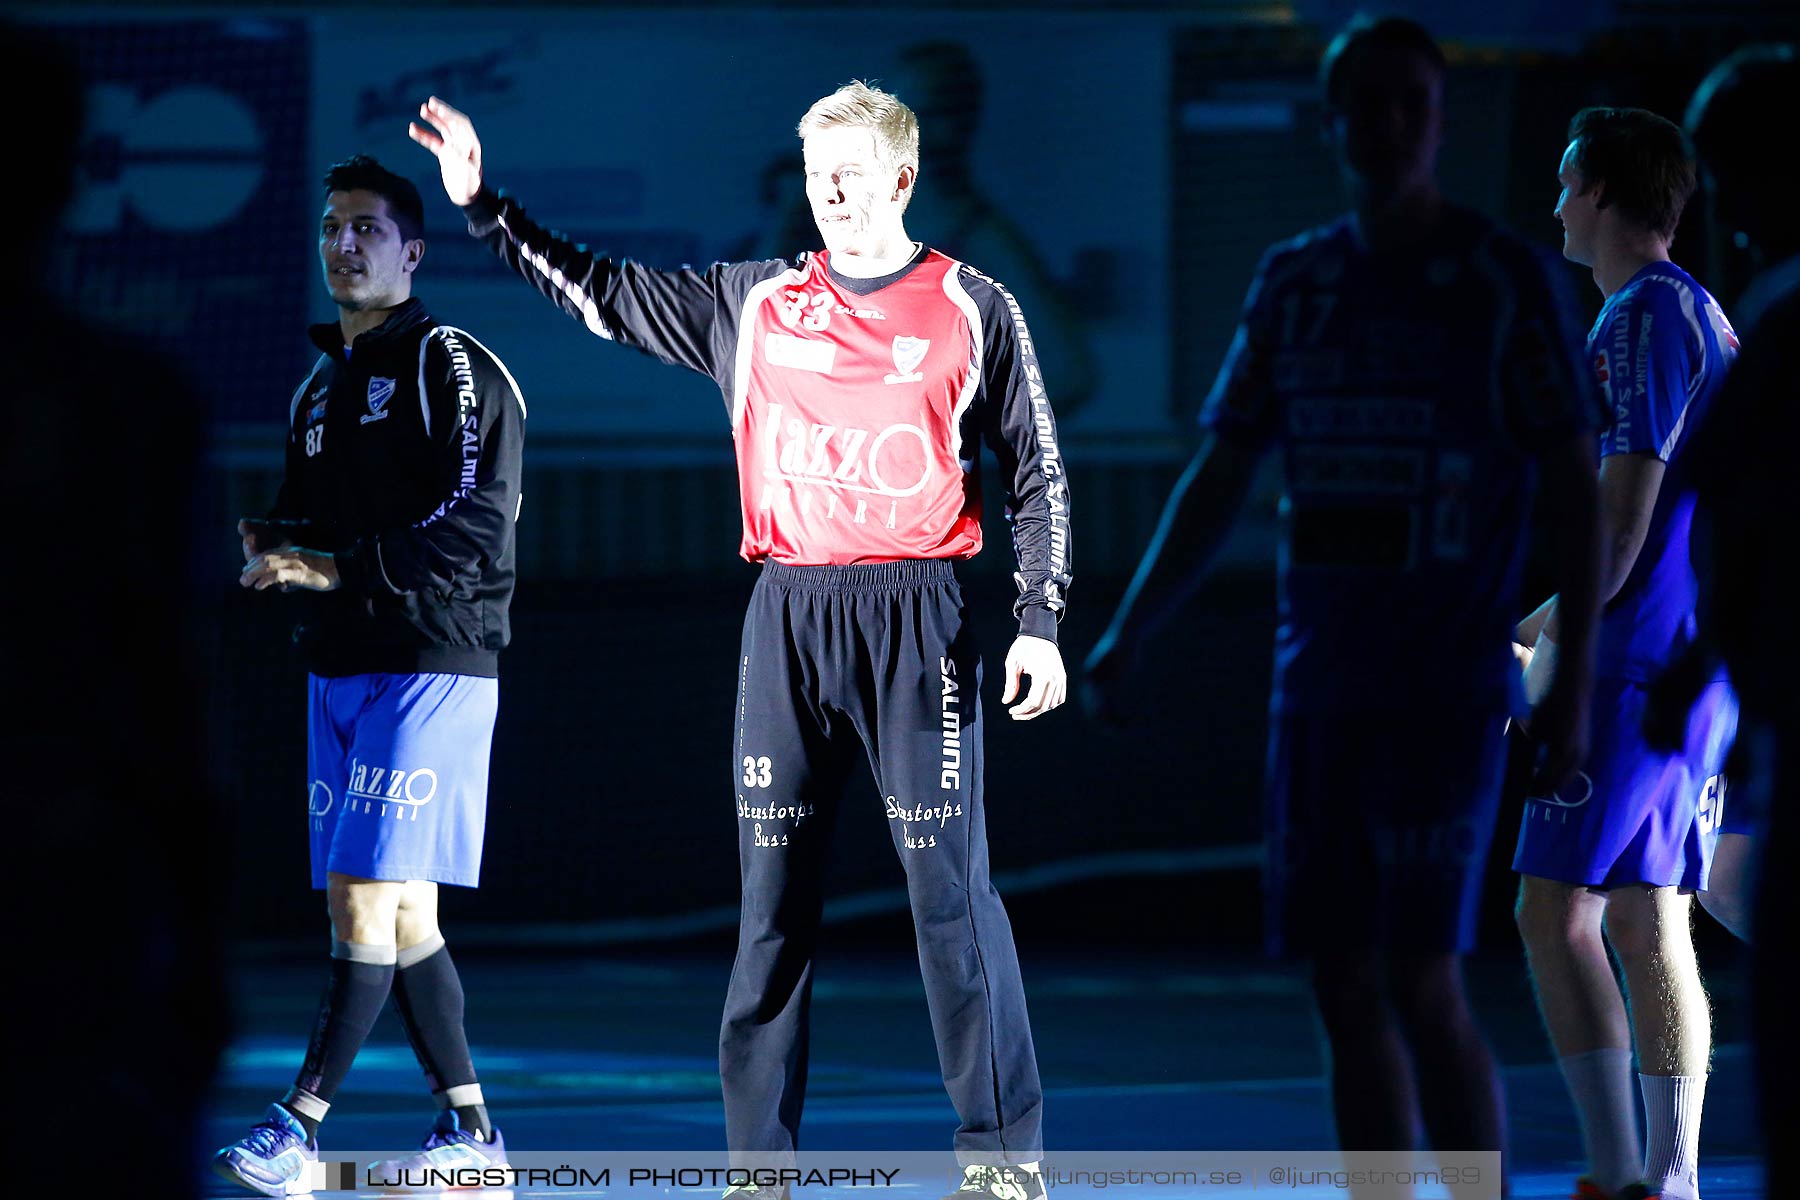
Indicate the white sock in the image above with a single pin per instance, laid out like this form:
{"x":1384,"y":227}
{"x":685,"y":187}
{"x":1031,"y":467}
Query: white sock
{"x":1672,"y":1106}
{"x":1600,"y":1084}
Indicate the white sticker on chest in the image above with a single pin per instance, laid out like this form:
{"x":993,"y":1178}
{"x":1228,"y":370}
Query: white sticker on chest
{"x":799,"y":354}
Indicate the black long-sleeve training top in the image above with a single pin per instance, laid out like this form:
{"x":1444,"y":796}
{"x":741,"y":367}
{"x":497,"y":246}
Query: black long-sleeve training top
{"x":403,"y":461}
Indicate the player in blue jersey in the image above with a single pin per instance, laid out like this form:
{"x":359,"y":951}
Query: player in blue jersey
{"x":1416,"y":367}
{"x":1617,"y":857}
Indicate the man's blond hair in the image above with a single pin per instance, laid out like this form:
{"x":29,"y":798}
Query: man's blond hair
{"x":856,"y":104}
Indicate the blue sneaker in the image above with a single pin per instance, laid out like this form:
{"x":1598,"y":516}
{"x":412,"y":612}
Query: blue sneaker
{"x":755,"y":1191}
{"x":447,"y":1148}
{"x":999,"y":1183}
{"x":276,"y":1158}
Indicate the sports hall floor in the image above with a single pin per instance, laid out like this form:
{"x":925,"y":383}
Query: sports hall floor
{"x":1138,"y":1051}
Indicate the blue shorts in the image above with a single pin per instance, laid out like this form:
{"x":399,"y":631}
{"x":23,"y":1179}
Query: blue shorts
{"x":1377,"y":829}
{"x":399,"y":769}
{"x":1635,"y":815}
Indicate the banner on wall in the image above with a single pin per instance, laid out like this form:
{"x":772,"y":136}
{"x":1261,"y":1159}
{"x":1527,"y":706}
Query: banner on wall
{"x":668,"y":136}
{"x":661,"y":135}
{"x":190,"y":226}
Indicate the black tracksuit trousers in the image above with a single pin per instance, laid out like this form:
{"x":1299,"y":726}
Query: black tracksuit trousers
{"x":873,"y":657}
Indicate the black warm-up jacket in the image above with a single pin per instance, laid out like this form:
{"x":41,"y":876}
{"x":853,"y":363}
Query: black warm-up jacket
{"x":403,"y":460}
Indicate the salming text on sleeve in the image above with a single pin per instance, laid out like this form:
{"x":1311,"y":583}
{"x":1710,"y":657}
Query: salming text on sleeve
{"x":475,"y":425}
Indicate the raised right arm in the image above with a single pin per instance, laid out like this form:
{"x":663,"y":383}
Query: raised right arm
{"x":677,"y":316}
{"x":685,"y":317}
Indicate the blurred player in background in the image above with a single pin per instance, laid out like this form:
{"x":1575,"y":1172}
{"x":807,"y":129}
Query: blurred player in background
{"x":1723,"y":121}
{"x":1417,"y":368}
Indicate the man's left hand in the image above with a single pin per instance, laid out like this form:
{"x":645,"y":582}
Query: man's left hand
{"x":1042,"y":661}
{"x":291,"y":567}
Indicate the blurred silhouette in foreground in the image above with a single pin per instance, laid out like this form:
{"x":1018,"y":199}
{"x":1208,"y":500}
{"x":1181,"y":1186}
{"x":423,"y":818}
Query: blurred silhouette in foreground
{"x":120,"y":1013}
{"x":1745,"y":619}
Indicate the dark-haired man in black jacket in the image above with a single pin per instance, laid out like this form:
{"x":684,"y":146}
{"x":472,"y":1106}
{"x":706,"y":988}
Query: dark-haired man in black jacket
{"x":401,"y":489}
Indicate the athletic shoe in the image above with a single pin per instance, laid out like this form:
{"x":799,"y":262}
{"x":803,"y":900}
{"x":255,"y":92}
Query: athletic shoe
{"x":999,"y":1183}
{"x":448,"y":1147}
{"x":750,"y":1191}
{"x":276,"y":1158}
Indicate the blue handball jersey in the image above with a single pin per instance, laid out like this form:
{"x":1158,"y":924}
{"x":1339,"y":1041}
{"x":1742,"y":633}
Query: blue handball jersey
{"x":1661,"y":347}
{"x":1409,"y":394}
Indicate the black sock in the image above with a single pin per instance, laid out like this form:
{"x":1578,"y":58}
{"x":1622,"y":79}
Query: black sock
{"x":359,"y":987}
{"x":474,"y":1118}
{"x":429,"y":995}
{"x":307,"y":1123}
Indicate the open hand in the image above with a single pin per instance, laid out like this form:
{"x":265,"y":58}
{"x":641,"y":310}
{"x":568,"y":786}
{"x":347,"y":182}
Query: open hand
{"x":451,"y":137}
